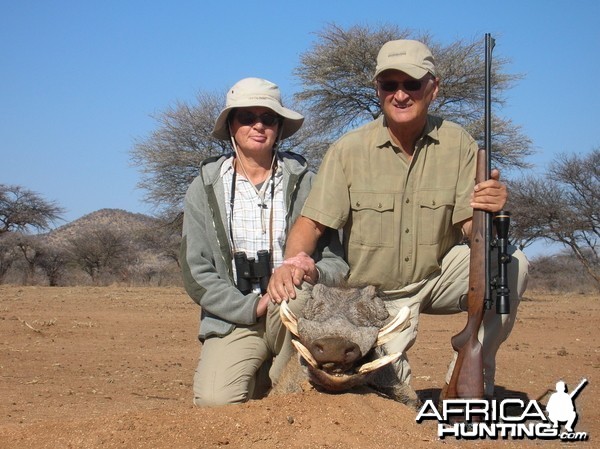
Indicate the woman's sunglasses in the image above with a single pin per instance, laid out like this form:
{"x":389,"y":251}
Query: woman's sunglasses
{"x":250,"y":118}
{"x":393,"y":86}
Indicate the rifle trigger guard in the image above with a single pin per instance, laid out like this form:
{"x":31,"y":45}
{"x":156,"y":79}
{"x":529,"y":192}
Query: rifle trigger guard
{"x":462,"y":303}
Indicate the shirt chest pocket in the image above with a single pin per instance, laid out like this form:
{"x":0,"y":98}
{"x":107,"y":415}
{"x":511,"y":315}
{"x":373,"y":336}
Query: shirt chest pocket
{"x":435,"y":215}
{"x":372,"y":221}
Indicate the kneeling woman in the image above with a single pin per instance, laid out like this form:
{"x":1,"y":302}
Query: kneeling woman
{"x":236,"y":214}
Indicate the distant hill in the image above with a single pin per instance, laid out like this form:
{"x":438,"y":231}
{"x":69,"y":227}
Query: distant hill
{"x":101,"y":248}
{"x":117,"y":219}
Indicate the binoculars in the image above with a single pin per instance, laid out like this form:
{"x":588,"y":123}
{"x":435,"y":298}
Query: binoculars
{"x":252,"y":274}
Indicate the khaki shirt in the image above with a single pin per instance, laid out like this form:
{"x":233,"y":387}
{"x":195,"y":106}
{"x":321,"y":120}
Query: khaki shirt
{"x":399,"y":217}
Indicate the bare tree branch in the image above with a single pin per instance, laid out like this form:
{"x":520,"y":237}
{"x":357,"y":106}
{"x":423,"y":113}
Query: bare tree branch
{"x":22,"y":209}
{"x":562,"y":207}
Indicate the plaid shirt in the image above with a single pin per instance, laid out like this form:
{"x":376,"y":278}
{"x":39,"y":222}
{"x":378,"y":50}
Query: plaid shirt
{"x":249,"y":218}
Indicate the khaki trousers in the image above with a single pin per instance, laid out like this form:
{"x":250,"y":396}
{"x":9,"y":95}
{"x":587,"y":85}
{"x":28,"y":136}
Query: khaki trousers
{"x":441,"y":295}
{"x":244,"y":364}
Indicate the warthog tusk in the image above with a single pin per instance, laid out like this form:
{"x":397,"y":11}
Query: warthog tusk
{"x":376,"y":364}
{"x":305,"y":353}
{"x":288,"y":318}
{"x":397,"y":325}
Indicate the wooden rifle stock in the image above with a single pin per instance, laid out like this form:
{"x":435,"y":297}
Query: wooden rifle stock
{"x":467,"y":378}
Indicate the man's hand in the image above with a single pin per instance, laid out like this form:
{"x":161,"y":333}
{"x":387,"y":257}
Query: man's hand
{"x":490,"y":195}
{"x":304,"y":263}
{"x":291,"y":274}
{"x":298,"y":265}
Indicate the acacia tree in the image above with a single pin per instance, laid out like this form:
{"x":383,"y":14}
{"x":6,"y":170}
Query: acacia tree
{"x":170,"y":157}
{"x":53,"y":262}
{"x":22,"y":209}
{"x":100,"y":252}
{"x":31,"y":249}
{"x":164,"y":238}
{"x":8,"y":253}
{"x":562,"y":206}
{"x":41,"y":254}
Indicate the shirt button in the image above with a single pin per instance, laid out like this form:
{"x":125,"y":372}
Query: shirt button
{"x":358,"y":204}
{"x":407,"y":201}
{"x":406,"y":259}
{"x":406,"y":230}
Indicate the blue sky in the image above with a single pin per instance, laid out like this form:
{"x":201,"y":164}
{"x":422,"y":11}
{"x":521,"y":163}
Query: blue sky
{"x":80,"y":80}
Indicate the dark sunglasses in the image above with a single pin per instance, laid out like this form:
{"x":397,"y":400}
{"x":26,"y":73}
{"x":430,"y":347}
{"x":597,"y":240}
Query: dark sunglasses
{"x":393,"y":86}
{"x":250,"y":118}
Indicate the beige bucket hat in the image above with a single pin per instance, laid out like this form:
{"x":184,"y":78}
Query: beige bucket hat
{"x":408,"y":56}
{"x":251,"y":92}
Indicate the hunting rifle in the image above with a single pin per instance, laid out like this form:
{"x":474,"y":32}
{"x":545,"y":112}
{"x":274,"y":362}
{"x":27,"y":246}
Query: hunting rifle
{"x":467,"y":378}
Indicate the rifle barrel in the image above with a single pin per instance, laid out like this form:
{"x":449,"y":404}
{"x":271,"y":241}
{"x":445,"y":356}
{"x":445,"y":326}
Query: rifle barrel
{"x":490,"y":42}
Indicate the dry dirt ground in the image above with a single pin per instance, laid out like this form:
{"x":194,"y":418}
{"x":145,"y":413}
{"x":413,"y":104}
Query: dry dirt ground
{"x":112,"y":367}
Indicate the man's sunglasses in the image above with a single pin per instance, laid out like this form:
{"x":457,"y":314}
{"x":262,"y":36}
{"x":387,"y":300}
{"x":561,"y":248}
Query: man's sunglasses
{"x":250,"y":118}
{"x":393,"y":85}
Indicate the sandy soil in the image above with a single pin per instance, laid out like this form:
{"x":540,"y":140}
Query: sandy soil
{"x":112,"y":368}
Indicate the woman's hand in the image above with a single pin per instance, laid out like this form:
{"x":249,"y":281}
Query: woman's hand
{"x":263,"y":304}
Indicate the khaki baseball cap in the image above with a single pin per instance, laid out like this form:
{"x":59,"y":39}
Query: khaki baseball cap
{"x":251,"y":92}
{"x":408,"y":56}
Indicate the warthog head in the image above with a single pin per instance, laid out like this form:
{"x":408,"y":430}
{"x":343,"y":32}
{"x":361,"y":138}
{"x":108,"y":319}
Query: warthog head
{"x":340,"y":332}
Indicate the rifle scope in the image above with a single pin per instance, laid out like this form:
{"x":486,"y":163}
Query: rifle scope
{"x":502,"y":223}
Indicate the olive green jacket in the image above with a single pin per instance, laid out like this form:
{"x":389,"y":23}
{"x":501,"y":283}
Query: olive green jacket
{"x":206,"y":256}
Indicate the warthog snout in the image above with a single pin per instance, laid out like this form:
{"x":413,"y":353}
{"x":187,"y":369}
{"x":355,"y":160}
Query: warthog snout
{"x":335,"y":353}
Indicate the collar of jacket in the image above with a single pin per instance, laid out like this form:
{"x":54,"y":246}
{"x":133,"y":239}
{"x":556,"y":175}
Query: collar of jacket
{"x":430,"y":131}
{"x":210,"y":168}
{"x":294,"y":167}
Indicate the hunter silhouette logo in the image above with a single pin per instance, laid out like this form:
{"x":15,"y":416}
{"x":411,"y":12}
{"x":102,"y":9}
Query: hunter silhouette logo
{"x":509,"y":418}
{"x":561,"y":406}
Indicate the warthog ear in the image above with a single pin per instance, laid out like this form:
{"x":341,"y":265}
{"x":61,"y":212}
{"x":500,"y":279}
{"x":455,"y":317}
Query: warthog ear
{"x":378,"y":308}
{"x":369,"y":290}
{"x":317,"y":289}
